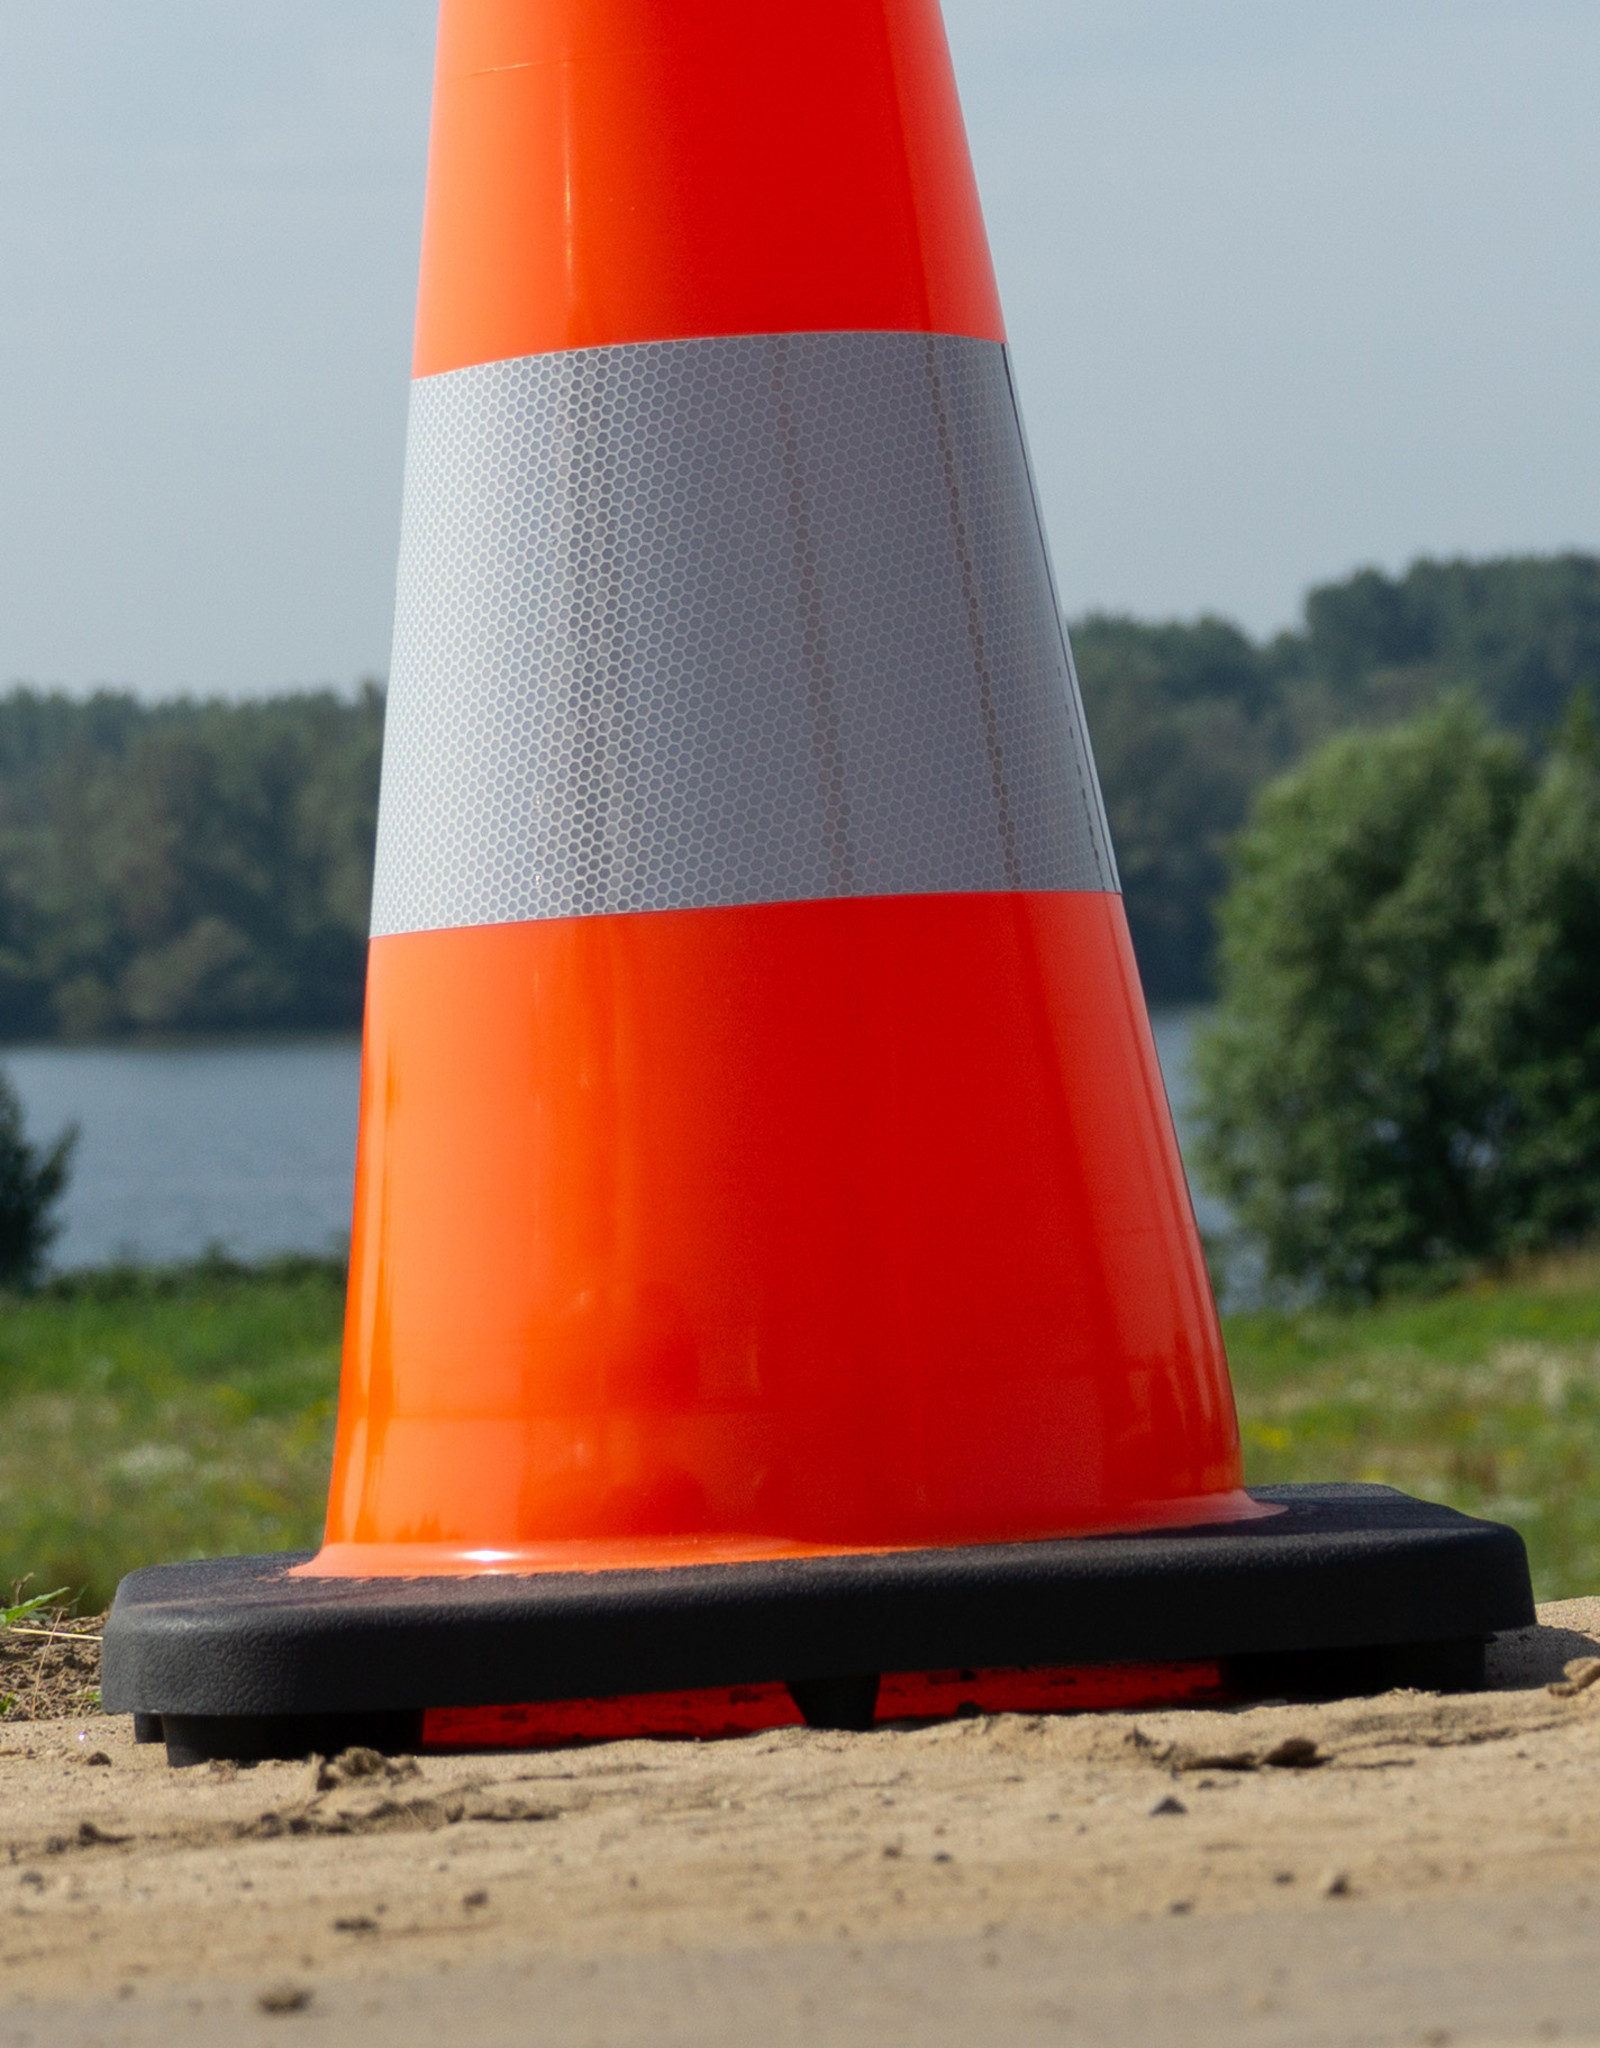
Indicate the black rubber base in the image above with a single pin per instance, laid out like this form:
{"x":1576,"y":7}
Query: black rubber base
{"x":1350,"y":1589}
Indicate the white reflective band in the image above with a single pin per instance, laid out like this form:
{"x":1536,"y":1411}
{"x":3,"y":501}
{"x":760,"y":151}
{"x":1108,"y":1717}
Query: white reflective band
{"x":733,"y":621}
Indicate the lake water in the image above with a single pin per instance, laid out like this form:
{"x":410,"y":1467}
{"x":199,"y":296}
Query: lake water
{"x":247,"y":1146}
{"x":250,"y":1146}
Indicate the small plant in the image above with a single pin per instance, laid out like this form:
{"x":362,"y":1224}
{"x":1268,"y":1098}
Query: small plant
{"x":32,"y":1180}
{"x":21,"y":1610}
{"x":57,"y":1663}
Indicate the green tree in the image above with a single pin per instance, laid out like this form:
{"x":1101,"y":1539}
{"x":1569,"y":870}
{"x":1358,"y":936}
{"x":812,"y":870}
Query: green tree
{"x":1191,"y":719}
{"x":1351,"y":1109}
{"x":1522,"y":632}
{"x":1184,"y":725}
{"x":184,"y":866}
{"x":32,"y":1180}
{"x":1535,"y":1020}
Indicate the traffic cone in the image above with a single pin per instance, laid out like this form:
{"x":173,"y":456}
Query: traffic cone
{"x":763,"y":1149}
{"x":771,"y":1248}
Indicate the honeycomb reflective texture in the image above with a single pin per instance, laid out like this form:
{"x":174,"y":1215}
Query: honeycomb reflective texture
{"x":729,"y":621}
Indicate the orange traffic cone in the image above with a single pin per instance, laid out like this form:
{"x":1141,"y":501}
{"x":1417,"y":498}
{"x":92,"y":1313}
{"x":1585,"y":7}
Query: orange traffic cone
{"x":771,"y":1244}
{"x":763,"y":1149}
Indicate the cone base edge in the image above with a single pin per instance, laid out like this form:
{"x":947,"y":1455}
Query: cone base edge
{"x":1340,"y":1568}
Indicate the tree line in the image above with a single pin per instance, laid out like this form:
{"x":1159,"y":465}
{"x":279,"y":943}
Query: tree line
{"x":184,"y":866}
{"x":1192,"y":721}
{"x":206,"y":866}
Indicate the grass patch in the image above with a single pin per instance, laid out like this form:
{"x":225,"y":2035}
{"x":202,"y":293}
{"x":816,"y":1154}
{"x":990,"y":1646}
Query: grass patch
{"x":1487,"y":1398}
{"x":153,"y":1415}
{"x":147,"y":1416}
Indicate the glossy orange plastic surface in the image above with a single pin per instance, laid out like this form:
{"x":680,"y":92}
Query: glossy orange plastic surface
{"x":790,"y":1227}
{"x":645,"y":170}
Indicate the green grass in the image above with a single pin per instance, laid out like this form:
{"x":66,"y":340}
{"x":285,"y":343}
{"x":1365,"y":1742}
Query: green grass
{"x":1487,"y":1398}
{"x":156,"y":1415}
{"x":148,"y":1416}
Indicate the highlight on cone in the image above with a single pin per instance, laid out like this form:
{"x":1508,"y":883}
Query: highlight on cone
{"x":762,"y":1145}
{"x":771,"y":1252}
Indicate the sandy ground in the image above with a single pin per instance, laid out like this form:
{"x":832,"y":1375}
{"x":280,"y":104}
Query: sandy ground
{"x":1410,"y":1869}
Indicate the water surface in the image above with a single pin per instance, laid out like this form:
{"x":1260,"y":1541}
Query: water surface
{"x":251,"y":1145}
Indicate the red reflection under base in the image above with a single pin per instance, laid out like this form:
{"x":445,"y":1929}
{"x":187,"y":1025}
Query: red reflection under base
{"x":748,"y":1709}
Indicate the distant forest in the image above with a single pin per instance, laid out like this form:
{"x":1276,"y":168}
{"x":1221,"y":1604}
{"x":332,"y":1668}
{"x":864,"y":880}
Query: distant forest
{"x":184,"y":867}
{"x":1189,"y":721}
{"x":189,"y":866}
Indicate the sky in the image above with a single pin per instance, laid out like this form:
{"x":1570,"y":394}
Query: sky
{"x":1292,"y":288}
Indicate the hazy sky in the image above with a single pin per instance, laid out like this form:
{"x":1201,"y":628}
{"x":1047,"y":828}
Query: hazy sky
{"x":1293,"y":286}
